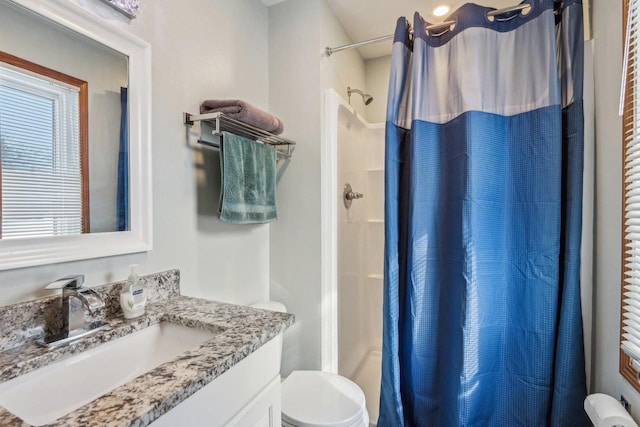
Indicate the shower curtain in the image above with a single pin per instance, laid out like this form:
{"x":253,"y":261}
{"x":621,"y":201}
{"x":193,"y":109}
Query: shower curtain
{"x":484,"y":153}
{"x":122,"y":190}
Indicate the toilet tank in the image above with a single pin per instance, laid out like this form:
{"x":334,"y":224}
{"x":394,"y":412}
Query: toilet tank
{"x":271,"y":306}
{"x":286,"y":366}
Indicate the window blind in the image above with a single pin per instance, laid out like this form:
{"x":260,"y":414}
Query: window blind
{"x":40,"y":157}
{"x":630,"y":340}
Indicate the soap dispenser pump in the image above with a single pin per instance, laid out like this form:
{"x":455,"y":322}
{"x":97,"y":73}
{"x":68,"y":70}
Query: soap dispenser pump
{"x":133,"y":296}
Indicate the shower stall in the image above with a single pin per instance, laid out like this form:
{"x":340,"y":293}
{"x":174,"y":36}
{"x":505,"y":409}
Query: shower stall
{"x":353,"y":239}
{"x":356,"y":149}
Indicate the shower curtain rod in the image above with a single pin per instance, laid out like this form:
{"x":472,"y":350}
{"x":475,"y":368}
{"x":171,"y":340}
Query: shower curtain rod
{"x":331,"y":50}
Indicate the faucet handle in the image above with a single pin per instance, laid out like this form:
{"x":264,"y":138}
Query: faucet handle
{"x":71,"y":282}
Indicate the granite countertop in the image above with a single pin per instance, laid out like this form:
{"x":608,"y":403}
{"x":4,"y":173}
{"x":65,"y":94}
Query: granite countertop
{"x":239,"y":331}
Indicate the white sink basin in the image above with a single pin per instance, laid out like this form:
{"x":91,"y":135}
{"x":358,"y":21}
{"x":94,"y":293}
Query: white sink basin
{"x":46,"y":394}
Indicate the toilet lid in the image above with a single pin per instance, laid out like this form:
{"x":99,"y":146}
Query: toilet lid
{"x":320,"y":399}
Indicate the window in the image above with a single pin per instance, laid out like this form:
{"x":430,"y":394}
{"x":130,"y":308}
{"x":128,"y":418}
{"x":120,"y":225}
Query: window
{"x":630,"y":334}
{"x":43,"y":151}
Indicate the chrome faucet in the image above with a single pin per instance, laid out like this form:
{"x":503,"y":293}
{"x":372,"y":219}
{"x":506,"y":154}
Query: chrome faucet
{"x":75,"y":299}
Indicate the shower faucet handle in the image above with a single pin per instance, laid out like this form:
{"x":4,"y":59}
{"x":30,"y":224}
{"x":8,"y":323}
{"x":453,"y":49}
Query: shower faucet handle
{"x":348,"y":195}
{"x":352,"y":195}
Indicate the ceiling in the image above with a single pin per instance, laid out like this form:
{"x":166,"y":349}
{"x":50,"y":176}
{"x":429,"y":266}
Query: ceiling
{"x":367,"y":19}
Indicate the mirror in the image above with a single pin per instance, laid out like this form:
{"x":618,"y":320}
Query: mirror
{"x":75,"y":132}
{"x":60,"y":180}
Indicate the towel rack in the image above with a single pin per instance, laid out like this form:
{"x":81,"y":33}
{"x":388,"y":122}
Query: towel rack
{"x":221,"y":122}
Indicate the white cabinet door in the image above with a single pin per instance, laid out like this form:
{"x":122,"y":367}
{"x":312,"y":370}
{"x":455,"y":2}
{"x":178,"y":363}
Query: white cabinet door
{"x":263,"y":410}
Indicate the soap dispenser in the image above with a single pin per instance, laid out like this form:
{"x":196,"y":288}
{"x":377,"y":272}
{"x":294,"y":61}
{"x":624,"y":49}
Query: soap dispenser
{"x":133,"y":296}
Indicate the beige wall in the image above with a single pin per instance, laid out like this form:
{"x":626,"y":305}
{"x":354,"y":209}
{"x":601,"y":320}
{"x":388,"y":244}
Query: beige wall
{"x":344,"y":69}
{"x":378,"y":70}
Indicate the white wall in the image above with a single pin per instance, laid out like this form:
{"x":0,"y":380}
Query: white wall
{"x":294,"y":83}
{"x":298,"y":74}
{"x":206,"y":49}
{"x":607,"y":32}
{"x":344,"y":69}
{"x":272,"y":58}
{"x":377,"y":72}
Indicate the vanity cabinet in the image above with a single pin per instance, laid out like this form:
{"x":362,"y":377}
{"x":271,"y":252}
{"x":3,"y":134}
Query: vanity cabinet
{"x":247,"y":395}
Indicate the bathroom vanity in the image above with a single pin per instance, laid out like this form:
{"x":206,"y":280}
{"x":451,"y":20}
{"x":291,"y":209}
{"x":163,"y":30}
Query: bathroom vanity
{"x":187,"y":361}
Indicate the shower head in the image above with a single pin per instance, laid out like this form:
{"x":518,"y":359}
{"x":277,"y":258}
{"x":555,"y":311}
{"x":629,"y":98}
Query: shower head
{"x":366,"y":98}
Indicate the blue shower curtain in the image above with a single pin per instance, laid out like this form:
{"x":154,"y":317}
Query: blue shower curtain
{"x":122,"y":196}
{"x":484,"y":154}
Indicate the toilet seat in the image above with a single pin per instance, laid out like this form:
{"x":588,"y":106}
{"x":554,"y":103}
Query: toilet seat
{"x":321,"y":399}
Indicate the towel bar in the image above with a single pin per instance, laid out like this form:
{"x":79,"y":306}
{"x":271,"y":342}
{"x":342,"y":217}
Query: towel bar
{"x":217,"y":147}
{"x":220,"y":122}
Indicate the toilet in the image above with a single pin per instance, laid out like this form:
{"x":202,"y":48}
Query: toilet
{"x":319,"y":399}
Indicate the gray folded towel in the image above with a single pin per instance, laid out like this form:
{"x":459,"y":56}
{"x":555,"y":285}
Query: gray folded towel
{"x":243,"y":111}
{"x":248,"y":174}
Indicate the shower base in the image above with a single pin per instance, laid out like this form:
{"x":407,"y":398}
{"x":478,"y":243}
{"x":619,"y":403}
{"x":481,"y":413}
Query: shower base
{"x":368,"y":376}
